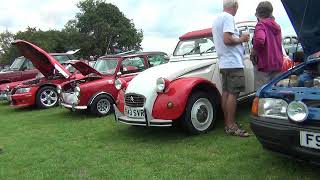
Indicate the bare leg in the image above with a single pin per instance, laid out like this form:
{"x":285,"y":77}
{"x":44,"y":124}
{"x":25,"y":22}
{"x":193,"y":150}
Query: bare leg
{"x":223,"y":104}
{"x":230,"y":108}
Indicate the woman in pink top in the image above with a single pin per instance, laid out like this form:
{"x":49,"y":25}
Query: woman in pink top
{"x":267,"y":45}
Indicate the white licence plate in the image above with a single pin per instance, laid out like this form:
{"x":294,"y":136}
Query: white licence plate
{"x":134,"y":112}
{"x":310,"y":139}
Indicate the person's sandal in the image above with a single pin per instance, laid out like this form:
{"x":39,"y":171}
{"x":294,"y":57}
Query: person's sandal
{"x":236,"y":131}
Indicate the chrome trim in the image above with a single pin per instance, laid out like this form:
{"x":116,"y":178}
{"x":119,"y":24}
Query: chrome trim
{"x":119,"y":117}
{"x":98,"y":94}
{"x":73,"y":107}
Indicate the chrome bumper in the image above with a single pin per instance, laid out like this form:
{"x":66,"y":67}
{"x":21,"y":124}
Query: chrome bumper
{"x":73,"y":106}
{"x":71,"y":101}
{"x":119,"y":117}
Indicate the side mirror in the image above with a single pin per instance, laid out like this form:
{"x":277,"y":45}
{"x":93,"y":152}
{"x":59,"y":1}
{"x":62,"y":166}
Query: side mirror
{"x":119,"y":73}
{"x":298,"y":56}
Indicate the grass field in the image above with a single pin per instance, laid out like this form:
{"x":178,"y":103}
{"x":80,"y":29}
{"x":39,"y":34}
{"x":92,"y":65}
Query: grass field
{"x":58,"y":144}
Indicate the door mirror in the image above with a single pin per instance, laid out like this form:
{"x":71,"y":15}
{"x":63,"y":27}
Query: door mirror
{"x":23,"y":68}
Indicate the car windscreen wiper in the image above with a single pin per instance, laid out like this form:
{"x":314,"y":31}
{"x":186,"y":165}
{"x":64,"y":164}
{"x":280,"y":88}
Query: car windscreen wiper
{"x":195,"y":48}
{"x":211,"y":48}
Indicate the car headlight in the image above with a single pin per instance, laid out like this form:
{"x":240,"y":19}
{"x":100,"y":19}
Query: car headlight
{"x":162,"y":83}
{"x":120,"y":84}
{"x":273,"y":108}
{"x":297,"y":111}
{"x":77,"y":91}
{"x":23,"y":90}
{"x":59,"y":89}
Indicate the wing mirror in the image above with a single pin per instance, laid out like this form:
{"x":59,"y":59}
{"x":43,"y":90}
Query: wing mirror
{"x":298,"y":56}
{"x":23,"y":68}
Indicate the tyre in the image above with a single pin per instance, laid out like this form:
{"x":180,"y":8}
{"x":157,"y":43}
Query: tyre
{"x":101,"y":105}
{"x":47,"y":97}
{"x":200,"y":113}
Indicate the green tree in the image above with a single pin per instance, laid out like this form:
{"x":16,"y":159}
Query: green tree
{"x":104,"y":27}
{"x":7,"y":53}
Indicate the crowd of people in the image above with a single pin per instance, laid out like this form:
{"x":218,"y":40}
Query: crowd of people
{"x":266,"y":55}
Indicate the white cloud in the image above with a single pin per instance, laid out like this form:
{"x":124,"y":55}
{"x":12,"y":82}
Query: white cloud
{"x":162,"y":21}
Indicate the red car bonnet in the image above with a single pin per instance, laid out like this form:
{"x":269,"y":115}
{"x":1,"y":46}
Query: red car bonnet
{"x":43,"y":61}
{"x":84,"y":68}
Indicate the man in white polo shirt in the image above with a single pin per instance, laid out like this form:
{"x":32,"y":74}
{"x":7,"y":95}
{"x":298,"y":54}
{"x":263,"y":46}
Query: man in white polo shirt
{"x":228,"y":44}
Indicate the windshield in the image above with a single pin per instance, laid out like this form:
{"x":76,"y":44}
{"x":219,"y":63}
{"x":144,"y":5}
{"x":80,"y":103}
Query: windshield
{"x":106,"y":66}
{"x":17,"y":63}
{"x":195,"y":46}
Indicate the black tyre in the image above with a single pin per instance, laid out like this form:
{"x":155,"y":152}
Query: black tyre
{"x":47,"y":97}
{"x":102,"y":105}
{"x":200,"y":113}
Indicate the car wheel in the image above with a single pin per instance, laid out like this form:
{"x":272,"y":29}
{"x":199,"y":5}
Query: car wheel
{"x":47,"y":97}
{"x":101,"y":105}
{"x":200,"y":113}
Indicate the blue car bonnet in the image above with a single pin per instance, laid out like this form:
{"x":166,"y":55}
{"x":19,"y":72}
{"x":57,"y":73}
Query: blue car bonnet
{"x":306,"y":22}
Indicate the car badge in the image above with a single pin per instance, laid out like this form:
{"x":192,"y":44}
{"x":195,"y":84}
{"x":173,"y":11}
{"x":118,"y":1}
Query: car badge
{"x":132,"y":99}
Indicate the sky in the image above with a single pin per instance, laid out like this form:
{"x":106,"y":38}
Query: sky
{"x":162,"y":21}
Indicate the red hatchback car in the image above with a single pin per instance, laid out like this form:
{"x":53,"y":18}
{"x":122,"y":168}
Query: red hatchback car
{"x":41,"y":91}
{"x":96,"y":92}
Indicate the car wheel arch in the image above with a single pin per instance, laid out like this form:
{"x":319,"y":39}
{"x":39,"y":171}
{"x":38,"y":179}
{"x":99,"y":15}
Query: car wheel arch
{"x":100,"y":94}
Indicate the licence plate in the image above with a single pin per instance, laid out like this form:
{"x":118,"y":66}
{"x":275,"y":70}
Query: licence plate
{"x":134,"y":112}
{"x":310,"y":139}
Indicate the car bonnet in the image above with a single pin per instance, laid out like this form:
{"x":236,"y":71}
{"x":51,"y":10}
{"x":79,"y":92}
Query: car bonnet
{"x":43,"y":61}
{"x":304,"y":18}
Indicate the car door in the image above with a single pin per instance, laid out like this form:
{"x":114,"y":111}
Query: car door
{"x":131,"y":66}
{"x":248,"y":66}
{"x":29,"y":71}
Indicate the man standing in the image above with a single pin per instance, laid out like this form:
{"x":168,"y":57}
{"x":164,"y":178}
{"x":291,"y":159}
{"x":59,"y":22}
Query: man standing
{"x":228,"y":43}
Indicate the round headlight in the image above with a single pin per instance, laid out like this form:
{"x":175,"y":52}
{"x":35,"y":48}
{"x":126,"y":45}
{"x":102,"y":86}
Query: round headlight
{"x":162,"y":83}
{"x":297,"y":111}
{"x":59,"y":89}
{"x":118,"y":84}
{"x":77,"y":91}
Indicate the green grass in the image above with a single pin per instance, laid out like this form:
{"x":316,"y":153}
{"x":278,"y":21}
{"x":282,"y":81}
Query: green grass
{"x":58,"y":144}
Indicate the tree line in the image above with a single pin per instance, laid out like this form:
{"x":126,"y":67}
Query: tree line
{"x":99,"y":28}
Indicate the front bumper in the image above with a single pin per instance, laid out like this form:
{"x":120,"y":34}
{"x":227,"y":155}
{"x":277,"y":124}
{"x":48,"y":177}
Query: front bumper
{"x":22,"y":100}
{"x":71,"y":101}
{"x":147,"y":121}
{"x":284,"y":137}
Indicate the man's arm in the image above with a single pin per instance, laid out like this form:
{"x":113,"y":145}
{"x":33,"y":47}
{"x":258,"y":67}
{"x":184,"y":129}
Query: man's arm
{"x":230,"y":40}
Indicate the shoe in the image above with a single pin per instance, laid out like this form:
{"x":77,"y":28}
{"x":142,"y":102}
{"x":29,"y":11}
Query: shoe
{"x":236,"y":131}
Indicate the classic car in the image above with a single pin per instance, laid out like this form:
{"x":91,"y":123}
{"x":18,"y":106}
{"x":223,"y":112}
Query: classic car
{"x":286,"y":112}
{"x":96,"y":92}
{"x":185,"y":90}
{"x":23,"y":69}
{"x":40,"y":91}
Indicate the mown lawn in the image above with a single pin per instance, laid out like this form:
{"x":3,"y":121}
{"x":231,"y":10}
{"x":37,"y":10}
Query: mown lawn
{"x":58,"y":144}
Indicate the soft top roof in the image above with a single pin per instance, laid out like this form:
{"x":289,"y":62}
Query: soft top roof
{"x":197,"y":34}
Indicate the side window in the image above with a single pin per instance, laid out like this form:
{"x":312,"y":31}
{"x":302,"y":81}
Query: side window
{"x":61,"y":58}
{"x":132,"y":65}
{"x":156,"y":60}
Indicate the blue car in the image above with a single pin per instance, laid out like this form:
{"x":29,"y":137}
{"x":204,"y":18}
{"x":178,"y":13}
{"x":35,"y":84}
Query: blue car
{"x":286,"y":112}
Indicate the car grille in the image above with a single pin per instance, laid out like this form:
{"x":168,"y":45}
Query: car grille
{"x":134,"y":100}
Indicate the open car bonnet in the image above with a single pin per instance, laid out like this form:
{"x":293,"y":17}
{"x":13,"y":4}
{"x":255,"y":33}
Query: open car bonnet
{"x":84,"y":68}
{"x":304,"y":18}
{"x":44,"y":62}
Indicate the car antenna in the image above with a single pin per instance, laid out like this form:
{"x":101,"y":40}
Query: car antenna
{"x":299,"y":35}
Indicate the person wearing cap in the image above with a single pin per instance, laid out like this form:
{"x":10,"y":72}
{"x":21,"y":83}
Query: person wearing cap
{"x":267,"y":45}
